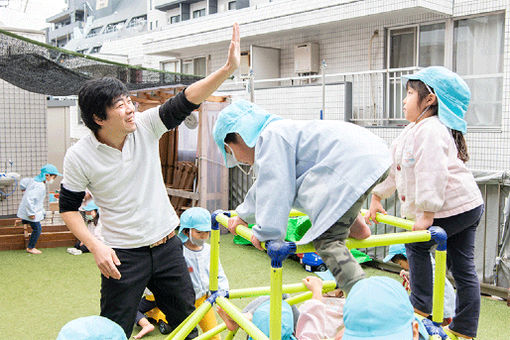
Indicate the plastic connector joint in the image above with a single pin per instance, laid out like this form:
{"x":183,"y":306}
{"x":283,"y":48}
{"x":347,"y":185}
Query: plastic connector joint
{"x":219,"y":293}
{"x":434,"y":329}
{"x":278,"y":251}
{"x":439,"y":236}
{"x":214,"y":224}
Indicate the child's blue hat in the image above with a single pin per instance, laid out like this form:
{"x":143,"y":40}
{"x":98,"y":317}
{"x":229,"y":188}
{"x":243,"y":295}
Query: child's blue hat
{"x":49,"y":169}
{"x":91,"y":206}
{"x":261,"y":320}
{"x":244,"y":118}
{"x":395,"y":249}
{"x":91,"y":328}
{"x":452,"y":94}
{"x":378,"y":308}
{"x":194,"y":218}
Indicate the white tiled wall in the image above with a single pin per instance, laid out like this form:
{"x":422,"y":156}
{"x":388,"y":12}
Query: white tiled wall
{"x":344,"y":46}
{"x":23,"y":137}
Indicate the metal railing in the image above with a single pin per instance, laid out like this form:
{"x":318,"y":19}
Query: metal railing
{"x":375,"y":96}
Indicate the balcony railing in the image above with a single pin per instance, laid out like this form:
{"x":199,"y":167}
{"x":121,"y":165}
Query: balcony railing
{"x":366,"y":97}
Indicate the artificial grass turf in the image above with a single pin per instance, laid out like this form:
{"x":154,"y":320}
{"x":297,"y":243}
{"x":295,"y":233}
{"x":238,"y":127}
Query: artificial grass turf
{"x":40,"y":293}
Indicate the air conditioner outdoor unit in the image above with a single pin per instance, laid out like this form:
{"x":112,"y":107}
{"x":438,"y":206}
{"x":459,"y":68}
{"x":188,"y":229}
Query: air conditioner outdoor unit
{"x":306,"y":58}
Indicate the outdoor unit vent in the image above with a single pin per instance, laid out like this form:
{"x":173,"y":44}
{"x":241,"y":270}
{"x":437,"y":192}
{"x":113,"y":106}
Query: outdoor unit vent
{"x":306,"y":58}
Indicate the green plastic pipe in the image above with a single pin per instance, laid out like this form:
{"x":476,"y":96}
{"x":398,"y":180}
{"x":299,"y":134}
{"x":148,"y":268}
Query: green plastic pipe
{"x":240,"y":319}
{"x":187,"y":326}
{"x":287,"y":288}
{"x":275,"y":323}
{"x":215,"y":259}
{"x":392,"y":220}
{"x":212,"y":332}
{"x":438,"y":292}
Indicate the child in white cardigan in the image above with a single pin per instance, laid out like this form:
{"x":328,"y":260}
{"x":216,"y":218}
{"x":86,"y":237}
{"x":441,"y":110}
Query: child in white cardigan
{"x":436,"y":188}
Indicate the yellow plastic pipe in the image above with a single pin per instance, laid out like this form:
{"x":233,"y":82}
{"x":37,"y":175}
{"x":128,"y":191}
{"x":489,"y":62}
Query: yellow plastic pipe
{"x":187,"y":326}
{"x":287,"y":288}
{"x":212,"y":332}
{"x":240,"y":319}
{"x":214,"y":260}
{"x":438,"y":292}
{"x":392,"y":220}
{"x":275,"y":321}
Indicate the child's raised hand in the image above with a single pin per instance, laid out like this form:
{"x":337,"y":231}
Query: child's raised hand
{"x":314,"y":284}
{"x":233,"y":222}
{"x":375,"y":207}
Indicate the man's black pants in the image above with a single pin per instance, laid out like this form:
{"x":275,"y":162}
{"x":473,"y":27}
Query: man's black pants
{"x":163,"y":270}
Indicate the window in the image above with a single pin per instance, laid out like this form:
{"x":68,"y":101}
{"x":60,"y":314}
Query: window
{"x":187,"y":66}
{"x":232,"y":5}
{"x":170,"y":66}
{"x":195,"y":66}
{"x":478,"y":57}
{"x":431,"y":45}
{"x":199,"y":66}
{"x":410,"y":47}
{"x":95,"y":49}
{"x":199,"y":13}
{"x":174,"y":19}
{"x":93,"y":32}
{"x":137,"y":21}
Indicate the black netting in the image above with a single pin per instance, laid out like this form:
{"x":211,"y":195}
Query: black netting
{"x":42,"y":68}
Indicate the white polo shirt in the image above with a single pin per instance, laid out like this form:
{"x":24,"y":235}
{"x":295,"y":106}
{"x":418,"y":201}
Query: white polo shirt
{"x":128,"y":186}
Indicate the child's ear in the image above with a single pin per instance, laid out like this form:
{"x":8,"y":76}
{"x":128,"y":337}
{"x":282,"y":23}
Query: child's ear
{"x":431,"y":99}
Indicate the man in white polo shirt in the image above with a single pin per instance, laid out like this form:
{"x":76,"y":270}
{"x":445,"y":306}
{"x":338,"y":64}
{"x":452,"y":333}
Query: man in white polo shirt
{"x":118,"y":162}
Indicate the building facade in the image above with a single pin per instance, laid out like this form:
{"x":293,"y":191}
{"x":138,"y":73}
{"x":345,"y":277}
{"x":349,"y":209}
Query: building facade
{"x":366,"y":47}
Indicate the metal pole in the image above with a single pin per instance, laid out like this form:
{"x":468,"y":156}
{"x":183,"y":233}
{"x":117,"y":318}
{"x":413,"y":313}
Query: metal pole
{"x":323,"y":70}
{"x":252,"y":86}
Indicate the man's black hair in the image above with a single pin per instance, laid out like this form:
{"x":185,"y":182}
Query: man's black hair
{"x":95,"y":96}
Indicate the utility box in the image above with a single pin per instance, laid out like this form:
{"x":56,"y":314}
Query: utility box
{"x":306,"y":58}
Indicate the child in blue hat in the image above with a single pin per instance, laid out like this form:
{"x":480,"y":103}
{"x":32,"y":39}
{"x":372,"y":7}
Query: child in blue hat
{"x":90,"y":214}
{"x":378,"y":308}
{"x":92,"y":327}
{"x":194,"y":231}
{"x":436,"y":188}
{"x":325,"y":169}
{"x":31,"y":209}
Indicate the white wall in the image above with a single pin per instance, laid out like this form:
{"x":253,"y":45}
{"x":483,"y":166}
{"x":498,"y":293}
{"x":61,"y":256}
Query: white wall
{"x":344,"y":46}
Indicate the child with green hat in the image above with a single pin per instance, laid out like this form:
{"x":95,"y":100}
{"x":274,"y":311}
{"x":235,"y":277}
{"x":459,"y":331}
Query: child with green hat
{"x":436,"y":188}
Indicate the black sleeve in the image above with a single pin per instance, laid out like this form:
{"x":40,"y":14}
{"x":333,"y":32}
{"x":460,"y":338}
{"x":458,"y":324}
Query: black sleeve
{"x":175,"y":110}
{"x":69,"y":200}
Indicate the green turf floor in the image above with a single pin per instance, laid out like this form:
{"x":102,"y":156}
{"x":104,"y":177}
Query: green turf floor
{"x":40,"y":293}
